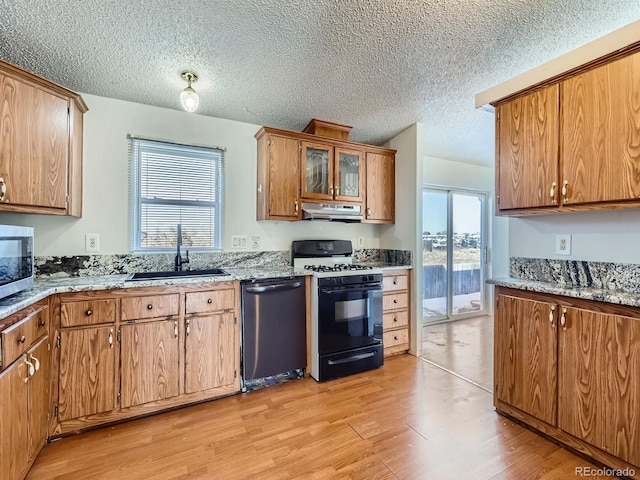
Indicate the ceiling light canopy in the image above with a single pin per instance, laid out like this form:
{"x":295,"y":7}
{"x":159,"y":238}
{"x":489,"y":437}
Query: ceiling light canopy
{"x":189,"y":98}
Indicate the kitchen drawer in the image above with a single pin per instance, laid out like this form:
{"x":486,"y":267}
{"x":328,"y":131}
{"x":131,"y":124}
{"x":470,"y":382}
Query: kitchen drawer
{"x":210,"y":301}
{"x":395,"y":337}
{"x":398,"y":281}
{"x":152,"y":306}
{"x":19,"y":337}
{"x":92,"y":312}
{"x":395,"y":320}
{"x":395,"y":301}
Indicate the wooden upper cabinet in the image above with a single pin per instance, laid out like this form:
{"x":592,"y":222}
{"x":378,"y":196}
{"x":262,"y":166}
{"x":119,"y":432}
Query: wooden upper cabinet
{"x":600,"y":146}
{"x":88,"y":372}
{"x":525,"y":356}
{"x":380,"y":188}
{"x":527,"y":150}
{"x":317,"y":171}
{"x":599,"y":381}
{"x":41,"y":127}
{"x":278,"y":178}
{"x":349,"y":175}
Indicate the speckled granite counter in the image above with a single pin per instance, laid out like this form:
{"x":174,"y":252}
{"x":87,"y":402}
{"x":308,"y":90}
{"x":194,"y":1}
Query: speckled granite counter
{"x":45,"y":286}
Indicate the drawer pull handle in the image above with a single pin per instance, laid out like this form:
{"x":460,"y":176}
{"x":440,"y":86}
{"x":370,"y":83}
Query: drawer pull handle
{"x":395,"y":337}
{"x":42,"y":323}
{"x":36,"y":362}
{"x":188,"y":327}
{"x":395,"y":320}
{"x":22,"y":339}
{"x":149,"y":307}
{"x":209,"y":301}
{"x":395,"y":281}
{"x":395,"y":300}
{"x":88,"y":313}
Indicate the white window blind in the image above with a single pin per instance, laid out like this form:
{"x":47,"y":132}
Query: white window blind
{"x":175,"y":184}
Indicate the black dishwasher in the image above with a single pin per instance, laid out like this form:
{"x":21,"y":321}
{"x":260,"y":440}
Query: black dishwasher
{"x":274,"y":336}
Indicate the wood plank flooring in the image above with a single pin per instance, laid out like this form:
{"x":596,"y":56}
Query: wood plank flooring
{"x":405,"y":420}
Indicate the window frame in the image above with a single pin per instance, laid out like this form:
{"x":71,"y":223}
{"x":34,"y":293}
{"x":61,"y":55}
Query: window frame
{"x":136,"y":201}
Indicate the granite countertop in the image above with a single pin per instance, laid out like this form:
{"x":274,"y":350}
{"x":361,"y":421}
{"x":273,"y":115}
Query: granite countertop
{"x":585,"y":293}
{"x":45,"y":286}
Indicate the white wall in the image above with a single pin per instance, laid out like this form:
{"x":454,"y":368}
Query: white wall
{"x":106,"y":188}
{"x":447,"y":173}
{"x":604,"y":236}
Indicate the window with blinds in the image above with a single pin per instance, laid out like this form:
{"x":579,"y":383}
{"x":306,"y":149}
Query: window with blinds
{"x":175,"y":184}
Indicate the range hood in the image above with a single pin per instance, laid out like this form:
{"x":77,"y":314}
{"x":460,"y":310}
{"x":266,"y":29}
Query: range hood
{"x":328,"y":211}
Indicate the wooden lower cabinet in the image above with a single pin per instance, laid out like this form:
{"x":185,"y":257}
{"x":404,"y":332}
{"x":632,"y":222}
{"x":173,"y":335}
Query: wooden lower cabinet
{"x":210,"y":343}
{"x":161,"y":347}
{"x":87,"y":372}
{"x":149,"y":368}
{"x":570,"y":368}
{"x":395,"y":311}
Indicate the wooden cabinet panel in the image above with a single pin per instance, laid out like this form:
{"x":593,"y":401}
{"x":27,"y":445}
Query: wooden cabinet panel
{"x":281,"y":178}
{"x":38,"y":399}
{"x":349,"y":172}
{"x":88,"y":370}
{"x":599,"y":381}
{"x":395,"y":301}
{"x":151,"y":306}
{"x":380,"y":188}
{"x":395,"y":320}
{"x":210,"y":301}
{"x":525,"y":356}
{"x":13,"y":421}
{"x":527,"y":150}
{"x":600,"y":130}
{"x":211,"y":352}
{"x":150,"y":362}
{"x":16,"y":339}
{"x":92,"y":312}
{"x":395,"y":282}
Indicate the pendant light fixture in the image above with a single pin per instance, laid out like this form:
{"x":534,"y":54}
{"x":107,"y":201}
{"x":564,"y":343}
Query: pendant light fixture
{"x":189,"y":98}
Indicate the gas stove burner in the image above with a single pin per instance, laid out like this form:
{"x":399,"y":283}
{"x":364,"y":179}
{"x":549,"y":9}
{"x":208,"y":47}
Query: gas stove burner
{"x":338,"y":267}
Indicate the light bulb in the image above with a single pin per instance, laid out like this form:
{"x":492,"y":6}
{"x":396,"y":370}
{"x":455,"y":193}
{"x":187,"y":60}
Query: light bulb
{"x":189,"y":99}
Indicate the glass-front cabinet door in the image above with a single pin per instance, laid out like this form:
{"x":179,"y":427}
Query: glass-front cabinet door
{"x":349,"y":175}
{"x":317,"y":171}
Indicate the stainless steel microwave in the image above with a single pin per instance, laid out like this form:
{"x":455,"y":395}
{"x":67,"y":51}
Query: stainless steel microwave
{"x":16,"y":259}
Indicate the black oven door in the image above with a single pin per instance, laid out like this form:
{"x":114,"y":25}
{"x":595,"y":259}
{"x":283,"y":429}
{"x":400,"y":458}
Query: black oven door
{"x":349,"y":317}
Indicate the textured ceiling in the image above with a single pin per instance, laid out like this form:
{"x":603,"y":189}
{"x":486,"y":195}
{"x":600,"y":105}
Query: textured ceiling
{"x":378,"y":65}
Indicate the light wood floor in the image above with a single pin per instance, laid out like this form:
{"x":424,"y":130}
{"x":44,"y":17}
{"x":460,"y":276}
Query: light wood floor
{"x":464,"y":347}
{"x":405,"y":420}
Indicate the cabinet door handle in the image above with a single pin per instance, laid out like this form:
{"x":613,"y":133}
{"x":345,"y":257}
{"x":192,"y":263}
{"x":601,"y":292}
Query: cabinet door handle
{"x":552,"y":315}
{"x":111,"y":338}
{"x":3,"y":188}
{"x":36,"y":362}
{"x":295,"y":206}
{"x":563,"y":319}
{"x":88,"y":313}
{"x":30,"y":371}
{"x":331,"y":191}
{"x":188,"y":327}
{"x":22,"y":339}
{"x":368,"y":212}
{"x":565,"y":190}
{"x":175,"y":329}
{"x":552,"y":193}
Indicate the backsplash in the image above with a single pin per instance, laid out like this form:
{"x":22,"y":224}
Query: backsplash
{"x":90,"y":265}
{"x":574,"y":273}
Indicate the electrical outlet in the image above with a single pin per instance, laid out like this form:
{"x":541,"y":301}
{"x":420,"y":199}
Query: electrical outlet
{"x":239,"y":241}
{"x":255,"y":243}
{"x":563,"y":244}
{"x":360,"y":242}
{"x":92,"y":242}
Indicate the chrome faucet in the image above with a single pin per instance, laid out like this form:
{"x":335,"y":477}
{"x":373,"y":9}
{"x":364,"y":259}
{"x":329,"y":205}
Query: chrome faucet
{"x":180,"y":260}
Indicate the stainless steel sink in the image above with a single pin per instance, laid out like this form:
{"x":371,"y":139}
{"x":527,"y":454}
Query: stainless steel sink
{"x":171,"y":274}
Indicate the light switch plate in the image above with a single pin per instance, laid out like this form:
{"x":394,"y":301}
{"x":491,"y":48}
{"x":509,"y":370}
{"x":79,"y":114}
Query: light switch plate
{"x":563,"y":244}
{"x":239,"y":241}
{"x":92,"y":242}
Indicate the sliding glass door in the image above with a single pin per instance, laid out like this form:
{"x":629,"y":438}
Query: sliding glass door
{"x":453,"y":254}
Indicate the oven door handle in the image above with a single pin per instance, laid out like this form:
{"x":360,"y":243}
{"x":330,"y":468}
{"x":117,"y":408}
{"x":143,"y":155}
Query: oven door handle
{"x":365,"y":288}
{"x":271,"y":288}
{"x":353,"y":358}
